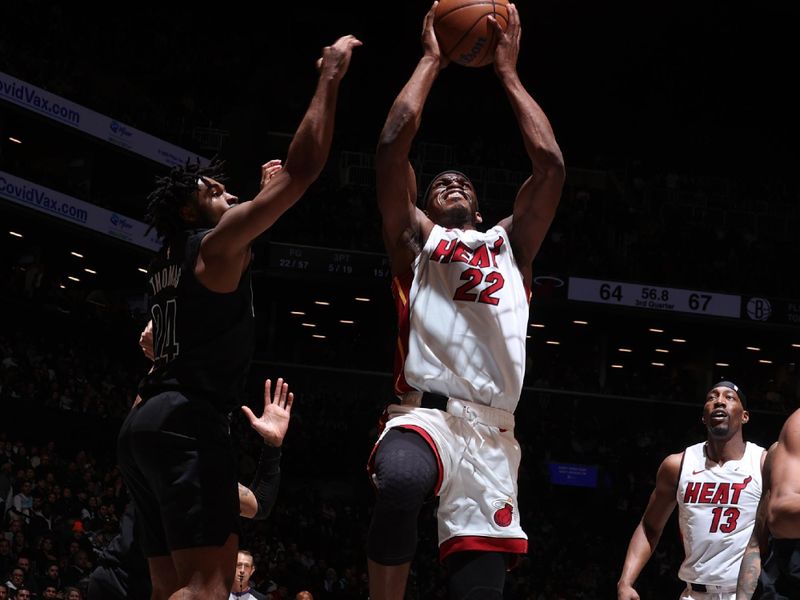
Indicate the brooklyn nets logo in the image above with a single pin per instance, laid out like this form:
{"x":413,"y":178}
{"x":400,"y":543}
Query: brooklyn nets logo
{"x":759,"y":309}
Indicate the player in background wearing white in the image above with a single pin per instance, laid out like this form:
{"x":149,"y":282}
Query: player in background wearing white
{"x":463,"y":310}
{"x":716,"y":485}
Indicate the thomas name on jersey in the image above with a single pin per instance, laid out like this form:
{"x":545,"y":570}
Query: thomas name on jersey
{"x":169,"y":276}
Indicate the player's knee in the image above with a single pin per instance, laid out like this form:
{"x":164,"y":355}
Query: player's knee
{"x":400,"y":489}
{"x":405,"y":470}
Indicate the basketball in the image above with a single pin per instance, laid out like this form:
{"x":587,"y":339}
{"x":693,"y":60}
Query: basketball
{"x":464,"y":32}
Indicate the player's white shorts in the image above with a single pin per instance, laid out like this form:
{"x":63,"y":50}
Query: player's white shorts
{"x":478,"y":464}
{"x":713,"y":592}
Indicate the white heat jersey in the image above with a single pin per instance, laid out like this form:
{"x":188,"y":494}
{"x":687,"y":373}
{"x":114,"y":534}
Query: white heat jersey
{"x":716,"y":513}
{"x":463,"y":319}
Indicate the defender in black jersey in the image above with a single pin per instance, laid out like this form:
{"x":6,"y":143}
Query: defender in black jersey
{"x":174,"y":448}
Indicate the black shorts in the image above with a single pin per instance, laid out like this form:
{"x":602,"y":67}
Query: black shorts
{"x":780,"y":573}
{"x":122,"y":570}
{"x":176,"y":457}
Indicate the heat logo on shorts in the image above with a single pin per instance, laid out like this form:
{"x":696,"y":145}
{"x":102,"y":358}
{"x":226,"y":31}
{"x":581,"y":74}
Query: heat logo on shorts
{"x":504,"y":512}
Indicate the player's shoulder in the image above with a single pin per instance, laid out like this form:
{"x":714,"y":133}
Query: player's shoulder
{"x":793,"y":421}
{"x":790,"y":433}
{"x":672,"y":463}
{"x":756,"y":448}
{"x":694,"y":450}
{"x":196,"y":236}
{"x":669,"y":472}
{"x":503,"y":227}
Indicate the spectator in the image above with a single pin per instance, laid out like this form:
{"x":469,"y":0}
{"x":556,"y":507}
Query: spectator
{"x":22,"y":502}
{"x":5,"y":486}
{"x":40,"y":521}
{"x":50,"y":592}
{"x":45,"y":556}
{"x":72,"y":593}
{"x":6,"y":558}
{"x":51,"y":578}
{"x":79,"y":568}
{"x":16,"y":580}
{"x":24,"y":563}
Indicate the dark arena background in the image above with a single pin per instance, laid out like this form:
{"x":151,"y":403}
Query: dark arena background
{"x":672,"y":261}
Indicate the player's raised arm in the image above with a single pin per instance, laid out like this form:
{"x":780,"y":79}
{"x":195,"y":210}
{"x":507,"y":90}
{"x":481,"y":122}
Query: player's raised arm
{"x":538,"y":198}
{"x":404,"y":225}
{"x":226,"y":245}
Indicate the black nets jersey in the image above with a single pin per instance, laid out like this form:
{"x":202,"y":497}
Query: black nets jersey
{"x":202,"y":340}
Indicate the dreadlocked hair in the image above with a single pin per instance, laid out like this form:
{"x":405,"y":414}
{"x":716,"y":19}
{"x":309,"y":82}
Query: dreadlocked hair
{"x":172,"y":193}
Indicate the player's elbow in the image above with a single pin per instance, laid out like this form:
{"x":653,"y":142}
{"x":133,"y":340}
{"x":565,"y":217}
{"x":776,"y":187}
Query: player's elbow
{"x":549,"y":163}
{"x":247,"y":511}
{"x":396,"y":127}
{"x":651,"y":533}
{"x":300,"y":174}
{"x":386,"y":150}
{"x":782,"y":514}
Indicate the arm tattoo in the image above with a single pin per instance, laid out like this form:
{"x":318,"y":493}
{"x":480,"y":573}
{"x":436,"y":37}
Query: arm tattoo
{"x":749,"y":571}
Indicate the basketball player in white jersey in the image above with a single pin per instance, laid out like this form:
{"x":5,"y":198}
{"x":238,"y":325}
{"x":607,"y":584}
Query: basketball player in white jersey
{"x":463,"y":310}
{"x":717,"y":486}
